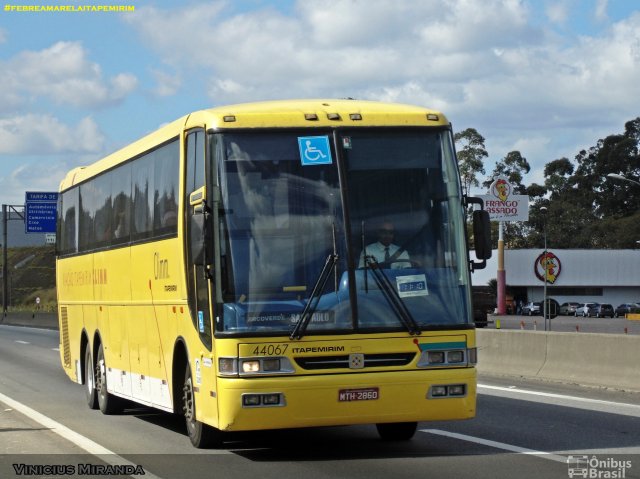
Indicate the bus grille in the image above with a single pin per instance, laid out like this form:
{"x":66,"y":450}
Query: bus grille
{"x":64,"y":333}
{"x":340,"y":362}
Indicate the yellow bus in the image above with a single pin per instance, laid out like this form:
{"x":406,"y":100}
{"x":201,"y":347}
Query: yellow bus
{"x":274,"y":265}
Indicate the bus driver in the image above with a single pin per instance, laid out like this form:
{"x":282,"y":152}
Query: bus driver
{"x":386,"y":254}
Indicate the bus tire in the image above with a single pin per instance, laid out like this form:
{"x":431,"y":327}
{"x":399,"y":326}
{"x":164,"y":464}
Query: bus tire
{"x":89,"y":379}
{"x":397,"y":431}
{"x":201,"y":435}
{"x":108,"y":403}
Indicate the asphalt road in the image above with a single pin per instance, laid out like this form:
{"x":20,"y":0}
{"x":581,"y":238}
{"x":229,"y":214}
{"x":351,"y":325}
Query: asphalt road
{"x":523,"y":430}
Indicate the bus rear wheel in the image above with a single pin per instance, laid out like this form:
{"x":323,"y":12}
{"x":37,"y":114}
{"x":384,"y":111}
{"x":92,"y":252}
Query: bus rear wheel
{"x":108,"y":403}
{"x":397,"y":431}
{"x":201,"y":435}
{"x":89,"y":379}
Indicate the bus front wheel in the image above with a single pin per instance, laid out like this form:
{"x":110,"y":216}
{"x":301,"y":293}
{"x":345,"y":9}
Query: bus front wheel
{"x":89,"y":379}
{"x":108,"y":403}
{"x":397,"y":431}
{"x":201,"y":435}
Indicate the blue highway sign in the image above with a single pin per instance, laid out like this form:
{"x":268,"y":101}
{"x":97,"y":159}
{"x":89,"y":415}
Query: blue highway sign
{"x":40,"y":212}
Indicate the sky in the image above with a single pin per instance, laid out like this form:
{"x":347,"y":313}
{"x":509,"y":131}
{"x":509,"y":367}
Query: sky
{"x":546,"y":78}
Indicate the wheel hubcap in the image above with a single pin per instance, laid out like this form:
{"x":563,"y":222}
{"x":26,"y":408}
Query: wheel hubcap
{"x":187,"y":401}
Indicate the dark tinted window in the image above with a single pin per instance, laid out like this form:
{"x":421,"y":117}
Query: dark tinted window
{"x":121,"y":197}
{"x":68,"y":241}
{"x":166,"y":162}
{"x":142,"y":192}
{"x":133,"y":202}
{"x":88,"y":207}
{"x":103,"y":207}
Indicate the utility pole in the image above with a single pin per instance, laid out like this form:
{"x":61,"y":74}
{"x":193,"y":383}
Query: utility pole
{"x":6,"y":212}
{"x":545,"y":307}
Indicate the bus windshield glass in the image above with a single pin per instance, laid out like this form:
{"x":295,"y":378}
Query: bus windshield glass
{"x":282,"y":224}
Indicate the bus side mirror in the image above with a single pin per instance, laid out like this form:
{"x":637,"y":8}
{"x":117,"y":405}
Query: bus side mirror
{"x":482,"y":234}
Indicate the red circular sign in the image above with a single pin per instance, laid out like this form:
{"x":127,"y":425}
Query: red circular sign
{"x":550,"y":264}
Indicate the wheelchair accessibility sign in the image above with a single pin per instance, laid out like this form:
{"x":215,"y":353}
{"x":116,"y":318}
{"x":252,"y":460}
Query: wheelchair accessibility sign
{"x":314,"y":150}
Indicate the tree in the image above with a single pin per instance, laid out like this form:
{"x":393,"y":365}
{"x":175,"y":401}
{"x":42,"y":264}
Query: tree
{"x":585,"y":209}
{"x":557,"y":174}
{"x":513,"y":167}
{"x":470,"y":157}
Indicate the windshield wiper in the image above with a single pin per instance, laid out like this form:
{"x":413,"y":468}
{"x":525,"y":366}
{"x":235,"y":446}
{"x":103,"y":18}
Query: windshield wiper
{"x":393,"y":298}
{"x":314,"y":299}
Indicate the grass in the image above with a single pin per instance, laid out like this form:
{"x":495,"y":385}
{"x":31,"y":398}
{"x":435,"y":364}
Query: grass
{"x":31,"y":274}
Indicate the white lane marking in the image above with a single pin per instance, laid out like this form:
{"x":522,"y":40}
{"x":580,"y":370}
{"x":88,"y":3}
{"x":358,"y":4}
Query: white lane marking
{"x":561,"y":399}
{"x":55,"y":349}
{"x":22,"y":342}
{"x":498,"y":445}
{"x":10,"y":326}
{"x":79,"y":440}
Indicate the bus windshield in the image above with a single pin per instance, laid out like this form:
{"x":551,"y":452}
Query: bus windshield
{"x":394,"y":259}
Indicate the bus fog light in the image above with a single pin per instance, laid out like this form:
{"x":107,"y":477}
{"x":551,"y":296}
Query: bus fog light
{"x":271,"y":399}
{"x":250,"y":400}
{"x":455,"y":356}
{"x":457,"y":390}
{"x":252,"y":366}
{"x":271,"y":365}
{"x":436,"y":357}
{"x":438,"y":391}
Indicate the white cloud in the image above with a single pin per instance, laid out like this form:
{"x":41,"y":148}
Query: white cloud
{"x":363,"y":24}
{"x":557,"y":12}
{"x":166,"y":84}
{"x":601,"y":10}
{"x":47,"y":135}
{"x":3,"y":35}
{"x":488,"y":65}
{"x":333,"y":47}
{"x":184,"y":36}
{"x":33,"y":175}
{"x":63,"y":74}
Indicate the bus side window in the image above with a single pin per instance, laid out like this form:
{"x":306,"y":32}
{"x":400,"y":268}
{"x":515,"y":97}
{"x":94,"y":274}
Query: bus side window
{"x":166,"y":178}
{"x":121,"y":193}
{"x":69,"y":227}
{"x":141,"y":197}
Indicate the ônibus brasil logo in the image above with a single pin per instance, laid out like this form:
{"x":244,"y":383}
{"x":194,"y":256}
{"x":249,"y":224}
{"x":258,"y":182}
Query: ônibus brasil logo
{"x":547,"y":264}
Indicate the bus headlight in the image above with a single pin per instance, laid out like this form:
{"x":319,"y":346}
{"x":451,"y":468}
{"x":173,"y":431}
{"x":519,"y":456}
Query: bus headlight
{"x":271,"y":364}
{"x":455,"y":356}
{"x":254,"y":366}
{"x":448,"y":357}
{"x":435,"y":357}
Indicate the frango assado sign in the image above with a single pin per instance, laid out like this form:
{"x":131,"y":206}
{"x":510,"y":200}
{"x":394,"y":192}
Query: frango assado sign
{"x":502,"y":205}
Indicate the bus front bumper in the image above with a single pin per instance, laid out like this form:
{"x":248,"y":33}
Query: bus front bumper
{"x":342,"y":399}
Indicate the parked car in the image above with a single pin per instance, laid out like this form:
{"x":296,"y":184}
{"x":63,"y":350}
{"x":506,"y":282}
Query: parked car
{"x":623,"y":309}
{"x":532,"y":308}
{"x":583,"y":309}
{"x":567,"y":309}
{"x":601,"y":311}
